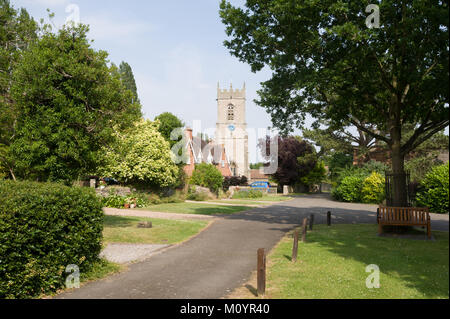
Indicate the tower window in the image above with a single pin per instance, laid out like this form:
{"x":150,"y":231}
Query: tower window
{"x":231,"y":112}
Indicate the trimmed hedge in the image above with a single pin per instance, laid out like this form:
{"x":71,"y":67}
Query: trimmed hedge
{"x":248,"y":194}
{"x":44,"y":228}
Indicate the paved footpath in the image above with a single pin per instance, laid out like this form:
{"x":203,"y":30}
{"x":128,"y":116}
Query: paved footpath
{"x":222,"y":257}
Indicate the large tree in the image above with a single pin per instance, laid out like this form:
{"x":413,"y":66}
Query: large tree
{"x":343,"y":140}
{"x":68,"y":100}
{"x":328,"y":63}
{"x":17,"y":31}
{"x":127,"y":76}
{"x":168,"y":122}
{"x":296,"y":159}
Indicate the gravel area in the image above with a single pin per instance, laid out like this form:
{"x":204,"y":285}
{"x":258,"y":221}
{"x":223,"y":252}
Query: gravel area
{"x":223,"y":204}
{"x":127,"y":253}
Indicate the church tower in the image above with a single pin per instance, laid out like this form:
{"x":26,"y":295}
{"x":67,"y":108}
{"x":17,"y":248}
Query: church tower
{"x":231,"y":128}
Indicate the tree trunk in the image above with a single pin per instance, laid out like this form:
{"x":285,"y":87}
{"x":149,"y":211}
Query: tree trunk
{"x":12,"y":174}
{"x":399,"y":187}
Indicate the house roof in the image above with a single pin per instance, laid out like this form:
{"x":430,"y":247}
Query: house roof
{"x":258,"y":174}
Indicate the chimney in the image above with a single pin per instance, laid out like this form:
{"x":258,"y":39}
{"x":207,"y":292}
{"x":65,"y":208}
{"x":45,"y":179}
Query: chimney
{"x":188,"y":133}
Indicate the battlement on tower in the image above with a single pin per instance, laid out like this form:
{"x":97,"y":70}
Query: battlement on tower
{"x":224,"y":94}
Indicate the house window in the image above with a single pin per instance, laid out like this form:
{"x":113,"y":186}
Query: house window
{"x":223,"y":163}
{"x":231,"y":112}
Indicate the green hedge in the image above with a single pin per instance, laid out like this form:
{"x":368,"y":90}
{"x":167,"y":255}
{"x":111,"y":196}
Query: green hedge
{"x":248,"y":194}
{"x":434,"y":191}
{"x":44,"y":228}
{"x":350,"y":189}
{"x":207,"y":175}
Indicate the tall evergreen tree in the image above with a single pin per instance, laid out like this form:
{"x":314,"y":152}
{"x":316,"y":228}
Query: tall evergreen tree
{"x":127,"y":77}
{"x":69,"y":103}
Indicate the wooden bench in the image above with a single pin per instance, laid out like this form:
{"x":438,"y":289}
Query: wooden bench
{"x":403,"y":216}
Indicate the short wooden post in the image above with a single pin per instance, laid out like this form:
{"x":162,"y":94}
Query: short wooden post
{"x":295,"y":247}
{"x":261,"y":272}
{"x":304,"y":229}
{"x":329,"y":218}
{"x":311,"y":222}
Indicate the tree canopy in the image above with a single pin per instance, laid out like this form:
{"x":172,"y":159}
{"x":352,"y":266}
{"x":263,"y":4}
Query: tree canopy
{"x":141,"y":156}
{"x":17,"y":31}
{"x":296,"y":159}
{"x":167,"y":123}
{"x":327,"y":63}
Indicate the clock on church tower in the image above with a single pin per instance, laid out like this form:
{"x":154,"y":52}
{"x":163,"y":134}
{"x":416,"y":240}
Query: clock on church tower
{"x":231,"y":127}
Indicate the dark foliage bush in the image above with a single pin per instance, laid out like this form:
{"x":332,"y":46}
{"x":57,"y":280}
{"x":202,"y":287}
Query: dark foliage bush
{"x":44,"y":228}
{"x":234,"y":181}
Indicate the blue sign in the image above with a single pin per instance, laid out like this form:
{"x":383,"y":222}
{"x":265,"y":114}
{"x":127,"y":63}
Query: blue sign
{"x":231,"y":128}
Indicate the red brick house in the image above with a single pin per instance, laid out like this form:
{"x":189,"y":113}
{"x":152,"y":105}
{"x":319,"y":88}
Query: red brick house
{"x":200,"y":151}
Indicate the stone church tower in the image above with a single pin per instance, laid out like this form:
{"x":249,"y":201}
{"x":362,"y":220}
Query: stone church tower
{"x":231,"y":128}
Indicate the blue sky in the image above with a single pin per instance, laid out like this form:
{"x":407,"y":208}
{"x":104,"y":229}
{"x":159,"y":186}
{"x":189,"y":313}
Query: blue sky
{"x":175,"y":48}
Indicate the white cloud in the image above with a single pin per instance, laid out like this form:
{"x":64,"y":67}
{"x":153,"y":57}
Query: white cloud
{"x":49,"y":3}
{"x":104,"y":27}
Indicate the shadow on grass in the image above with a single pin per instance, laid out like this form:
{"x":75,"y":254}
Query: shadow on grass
{"x":120,"y":221}
{"x":200,"y":209}
{"x":421,"y":265}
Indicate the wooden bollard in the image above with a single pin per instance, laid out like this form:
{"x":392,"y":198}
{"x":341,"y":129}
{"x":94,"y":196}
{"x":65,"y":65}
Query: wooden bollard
{"x":295,"y":247}
{"x":329,"y":218}
{"x":261,"y":272}
{"x":304,"y":229}
{"x":311,"y":222}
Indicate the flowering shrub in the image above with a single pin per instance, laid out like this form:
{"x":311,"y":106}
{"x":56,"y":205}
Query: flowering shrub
{"x":373,"y":189}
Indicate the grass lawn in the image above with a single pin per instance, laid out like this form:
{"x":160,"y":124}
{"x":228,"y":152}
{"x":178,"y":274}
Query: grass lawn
{"x":332,"y":264}
{"x":194,"y":208}
{"x":119,"y":229}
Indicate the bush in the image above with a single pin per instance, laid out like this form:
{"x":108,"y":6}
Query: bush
{"x":248,"y":194}
{"x":234,"y":181}
{"x":199,"y":197}
{"x":373,"y":189}
{"x":348,"y":184}
{"x":315,"y":177}
{"x":207,"y":175}
{"x":43,"y":229}
{"x":350,"y":189}
{"x":434,"y":192}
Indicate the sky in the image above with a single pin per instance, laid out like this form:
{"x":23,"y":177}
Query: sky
{"x":175,"y":48}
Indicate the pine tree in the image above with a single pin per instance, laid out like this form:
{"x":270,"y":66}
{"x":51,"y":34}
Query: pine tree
{"x":127,"y":76}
